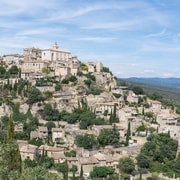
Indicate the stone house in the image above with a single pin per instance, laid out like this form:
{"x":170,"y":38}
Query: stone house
{"x":58,"y":157}
{"x":155,"y":104}
{"x":106,"y":106}
{"x":57,"y":153}
{"x":55,"y":54}
{"x":103,"y":159}
{"x":132,"y":97}
{"x":41,"y":132}
{"x":27,"y":150}
{"x":74,"y":65}
{"x":62,"y":70}
{"x":32,"y":54}
{"x":88,"y":163}
{"x":12,"y":59}
{"x":29,"y":68}
{"x":57,"y":134}
{"x":94,"y":66}
{"x":96,"y":129}
{"x":72,"y":161}
{"x":81,"y":152}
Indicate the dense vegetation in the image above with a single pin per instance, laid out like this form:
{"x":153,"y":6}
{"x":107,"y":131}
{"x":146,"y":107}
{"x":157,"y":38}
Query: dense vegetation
{"x":159,"y":155}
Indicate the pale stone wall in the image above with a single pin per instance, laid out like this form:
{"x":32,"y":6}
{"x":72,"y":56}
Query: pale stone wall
{"x":57,"y":135}
{"x":55,"y":54}
{"x":34,"y":67}
{"x":46,"y":88}
{"x":12,"y":58}
{"x":62,"y":71}
{"x":25,"y":155}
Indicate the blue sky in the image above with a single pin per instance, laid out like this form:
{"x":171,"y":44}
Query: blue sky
{"x":133,"y":38}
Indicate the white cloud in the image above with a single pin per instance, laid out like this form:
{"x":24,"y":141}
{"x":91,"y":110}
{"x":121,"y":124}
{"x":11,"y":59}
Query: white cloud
{"x":96,"y":39}
{"x":73,"y":11}
{"x":125,"y":25}
{"x":40,"y":31}
{"x":159,"y":34}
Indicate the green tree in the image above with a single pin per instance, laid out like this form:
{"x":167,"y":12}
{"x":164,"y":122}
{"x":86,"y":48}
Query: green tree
{"x":106,"y":70}
{"x":72,"y":78}
{"x":81,"y":172}
{"x":49,"y":113}
{"x":57,"y":87}
{"x":117,"y":95}
{"x":109,"y":137}
{"x":34,"y":96}
{"x":50,"y":125}
{"x":65,"y":81}
{"x":13,"y":70}
{"x":74,"y":170}
{"x":128,"y":134}
{"x":137,"y":90}
{"x":102,"y":171}
{"x":29,"y":163}
{"x":2,"y":72}
{"x":113,"y":117}
{"x":142,"y":161}
{"x":88,"y":82}
{"x":46,"y":70}
{"x":10,"y":159}
{"x":38,"y":173}
{"x":36,"y":141}
{"x":126,"y":165}
{"x":87,"y":141}
{"x":71,"y":153}
{"x":63,"y":168}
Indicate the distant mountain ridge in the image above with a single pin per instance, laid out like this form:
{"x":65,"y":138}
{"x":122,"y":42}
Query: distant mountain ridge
{"x":161,"y":82}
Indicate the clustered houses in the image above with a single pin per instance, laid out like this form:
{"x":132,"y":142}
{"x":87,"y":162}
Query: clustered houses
{"x":62,"y":64}
{"x":12,"y":59}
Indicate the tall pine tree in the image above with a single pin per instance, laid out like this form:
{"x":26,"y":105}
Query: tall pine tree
{"x":128,"y":134}
{"x":10,"y":159}
{"x":113,"y":117}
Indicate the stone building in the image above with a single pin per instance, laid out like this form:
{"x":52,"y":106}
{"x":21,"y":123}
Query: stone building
{"x":12,"y":59}
{"x":55,"y":54}
{"x":27,"y":151}
{"x":32,"y":54}
{"x":57,"y":134}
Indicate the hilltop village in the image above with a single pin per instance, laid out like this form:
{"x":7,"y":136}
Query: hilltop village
{"x":75,"y":112}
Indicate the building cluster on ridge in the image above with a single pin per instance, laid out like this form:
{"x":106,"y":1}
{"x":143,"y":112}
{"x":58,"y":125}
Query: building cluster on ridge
{"x":61,"y":65}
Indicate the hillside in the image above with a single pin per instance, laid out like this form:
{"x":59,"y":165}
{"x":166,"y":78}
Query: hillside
{"x":167,"y":87}
{"x":173,"y":83}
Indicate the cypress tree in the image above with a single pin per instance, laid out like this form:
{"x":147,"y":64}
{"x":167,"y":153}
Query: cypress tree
{"x":143,"y":110}
{"x":10,"y":132}
{"x":128,"y":134}
{"x":81,"y":172}
{"x":113,"y":118}
{"x":10,"y":159}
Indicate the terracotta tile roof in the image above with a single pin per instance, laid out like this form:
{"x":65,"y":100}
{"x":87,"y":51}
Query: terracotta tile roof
{"x":51,"y":148}
{"x":88,"y":160}
{"x":58,"y":155}
{"x":28,"y":148}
